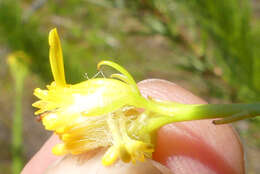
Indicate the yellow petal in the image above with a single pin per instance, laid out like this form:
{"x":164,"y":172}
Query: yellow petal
{"x":56,"y":58}
{"x":59,"y":149}
{"x":40,"y":93}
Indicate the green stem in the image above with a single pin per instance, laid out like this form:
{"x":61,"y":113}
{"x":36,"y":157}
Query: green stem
{"x":17,"y":138}
{"x":17,"y":64}
{"x":173,"y":112}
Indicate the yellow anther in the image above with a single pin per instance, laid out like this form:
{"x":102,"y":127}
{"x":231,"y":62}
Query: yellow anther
{"x":110,"y":156}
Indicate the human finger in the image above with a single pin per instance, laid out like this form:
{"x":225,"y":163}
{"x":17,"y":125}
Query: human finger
{"x":194,"y":146}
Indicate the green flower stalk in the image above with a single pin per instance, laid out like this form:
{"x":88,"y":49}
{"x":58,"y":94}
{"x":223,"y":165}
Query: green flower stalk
{"x":105,"y":112}
{"x":16,"y":62}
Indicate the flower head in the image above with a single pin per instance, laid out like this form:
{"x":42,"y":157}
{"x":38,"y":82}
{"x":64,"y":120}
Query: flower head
{"x":100,"y":112}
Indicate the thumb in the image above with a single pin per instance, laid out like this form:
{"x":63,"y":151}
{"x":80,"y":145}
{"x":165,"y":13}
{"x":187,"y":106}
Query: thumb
{"x":194,"y":146}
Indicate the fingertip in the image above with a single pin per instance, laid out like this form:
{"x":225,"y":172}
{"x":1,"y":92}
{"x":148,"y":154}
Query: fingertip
{"x":165,"y":90}
{"x":195,"y":146}
{"x":43,"y":158}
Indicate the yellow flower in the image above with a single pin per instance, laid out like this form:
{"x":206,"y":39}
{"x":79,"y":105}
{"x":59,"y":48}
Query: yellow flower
{"x":100,"y":112}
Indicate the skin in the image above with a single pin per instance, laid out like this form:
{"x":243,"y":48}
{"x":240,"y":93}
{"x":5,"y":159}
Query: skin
{"x":184,"y":148}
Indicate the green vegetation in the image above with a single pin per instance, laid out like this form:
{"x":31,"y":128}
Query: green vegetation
{"x":209,"y":47}
{"x":17,"y":64}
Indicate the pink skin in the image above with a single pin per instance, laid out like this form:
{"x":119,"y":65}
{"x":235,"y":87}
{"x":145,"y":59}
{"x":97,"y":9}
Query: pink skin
{"x":185,"y":148}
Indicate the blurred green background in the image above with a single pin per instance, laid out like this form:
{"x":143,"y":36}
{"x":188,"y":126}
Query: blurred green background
{"x":211,"y":48}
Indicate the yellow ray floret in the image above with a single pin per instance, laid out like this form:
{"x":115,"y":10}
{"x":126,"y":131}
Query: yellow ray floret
{"x":56,"y":58}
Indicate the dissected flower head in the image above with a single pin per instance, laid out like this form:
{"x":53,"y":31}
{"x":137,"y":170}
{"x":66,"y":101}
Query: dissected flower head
{"x":99,"y":112}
